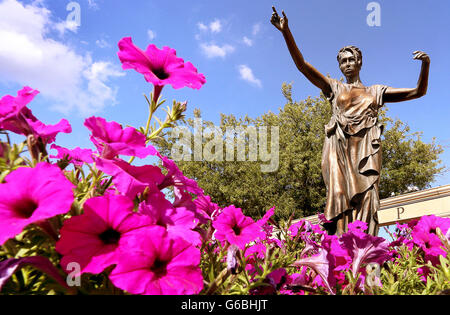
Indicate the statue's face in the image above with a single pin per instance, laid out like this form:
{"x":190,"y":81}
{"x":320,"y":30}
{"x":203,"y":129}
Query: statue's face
{"x":349,"y":64}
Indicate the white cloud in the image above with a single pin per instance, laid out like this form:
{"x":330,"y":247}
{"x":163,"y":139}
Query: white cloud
{"x":202,"y":27}
{"x":213,"y":50}
{"x":93,"y":5}
{"x":98,"y":92}
{"x":256,"y":29}
{"x":215,"y":26}
{"x":61,"y":27}
{"x":247,"y":75}
{"x":151,"y":34}
{"x":247,"y":41}
{"x":68,"y":79}
{"x":102,"y":43}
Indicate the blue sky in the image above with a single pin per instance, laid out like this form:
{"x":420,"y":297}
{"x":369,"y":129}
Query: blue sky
{"x":243,"y":57}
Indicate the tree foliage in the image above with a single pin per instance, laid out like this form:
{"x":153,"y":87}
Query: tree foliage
{"x":296,"y":187}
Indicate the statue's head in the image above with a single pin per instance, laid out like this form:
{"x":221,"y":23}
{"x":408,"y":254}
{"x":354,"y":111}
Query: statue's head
{"x":350,"y":60}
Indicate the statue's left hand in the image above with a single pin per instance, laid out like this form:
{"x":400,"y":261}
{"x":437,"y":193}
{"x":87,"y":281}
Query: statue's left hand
{"x":420,"y":55}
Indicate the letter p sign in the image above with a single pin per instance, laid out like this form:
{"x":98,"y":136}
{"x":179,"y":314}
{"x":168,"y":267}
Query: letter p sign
{"x":400,"y":210}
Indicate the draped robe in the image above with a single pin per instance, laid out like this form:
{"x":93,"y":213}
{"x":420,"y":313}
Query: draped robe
{"x":351,"y":158}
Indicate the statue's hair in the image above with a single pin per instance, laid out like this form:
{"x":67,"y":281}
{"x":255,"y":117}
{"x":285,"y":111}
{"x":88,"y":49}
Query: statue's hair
{"x":353,"y":49}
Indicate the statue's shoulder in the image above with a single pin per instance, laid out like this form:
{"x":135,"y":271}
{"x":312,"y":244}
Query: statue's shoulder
{"x":334,"y":82}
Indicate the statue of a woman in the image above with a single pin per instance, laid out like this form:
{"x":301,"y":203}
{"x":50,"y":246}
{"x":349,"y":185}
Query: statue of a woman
{"x":351,"y":158}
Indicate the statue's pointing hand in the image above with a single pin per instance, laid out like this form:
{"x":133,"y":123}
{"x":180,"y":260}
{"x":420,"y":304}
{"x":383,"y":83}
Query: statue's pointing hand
{"x":280,"y":23}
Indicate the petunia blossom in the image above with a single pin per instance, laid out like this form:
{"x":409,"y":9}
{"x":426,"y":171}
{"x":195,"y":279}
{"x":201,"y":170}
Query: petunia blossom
{"x":322,"y":219}
{"x":299,"y":227}
{"x":424,"y":235}
{"x":236,"y":228}
{"x":206,"y":209}
{"x":364,"y":248}
{"x":95,"y":238}
{"x":176,"y":178}
{"x":159,"y":66}
{"x":45,"y":132}
{"x":30,"y":195}
{"x":11,"y":106}
{"x":321,"y":265}
{"x":112,"y":140}
{"x":357,"y":227}
{"x":159,"y":264}
{"x":341,"y":258}
{"x":76,"y":156}
{"x":130,"y":180}
{"x":178,"y":221}
{"x":264,"y":223}
{"x":16,"y":117}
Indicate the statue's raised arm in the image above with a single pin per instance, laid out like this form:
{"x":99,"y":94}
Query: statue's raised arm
{"x":311,"y":73}
{"x":404,"y":94}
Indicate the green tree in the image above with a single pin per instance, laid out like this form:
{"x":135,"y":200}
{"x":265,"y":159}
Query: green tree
{"x":409,"y":164}
{"x":296,"y":187}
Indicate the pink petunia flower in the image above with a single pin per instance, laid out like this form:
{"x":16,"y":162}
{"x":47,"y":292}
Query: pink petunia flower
{"x":130,"y":180}
{"x":11,"y":106}
{"x":322,"y":219}
{"x":257,"y":249}
{"x":206,"y":209}
{"x":299,"y":227}
{"x":338,"y":257}
{"x":95,"y":238}
{"x":424,"y":235}
{"x":31,"y":195}
{"x":252,"y":253}
{"x":183,"y":199}
{"x":159,"y":264}
{"x":265,"y":219}
{"x":178,"y":221}
{"x":321,"y":265}
{"x":357,"y":227}
{"x":176,"y":178}
{"x":46,"y":132}
{"x":297,"y":281}
{"x":76,"y":156}
{"x":233,"y":226}
{"x":159,"y":66}
{"x":364,"y":248}
{"x":112,"y":140}
{"x":16,"y":117}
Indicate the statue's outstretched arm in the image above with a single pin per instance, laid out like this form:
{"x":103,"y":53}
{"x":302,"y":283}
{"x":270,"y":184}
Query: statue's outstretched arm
{"x":311,"y":73}
{"x":399,"y":95}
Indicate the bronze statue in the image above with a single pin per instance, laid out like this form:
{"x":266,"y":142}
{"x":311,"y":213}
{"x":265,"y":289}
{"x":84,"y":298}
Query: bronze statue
{"x":351,"y":158}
